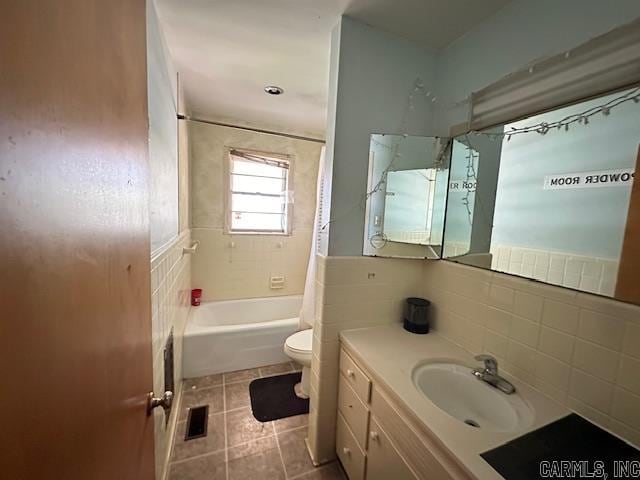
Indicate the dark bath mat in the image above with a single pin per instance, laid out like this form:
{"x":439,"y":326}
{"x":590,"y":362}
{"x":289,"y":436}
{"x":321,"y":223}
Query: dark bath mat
{"x":273,"y":398}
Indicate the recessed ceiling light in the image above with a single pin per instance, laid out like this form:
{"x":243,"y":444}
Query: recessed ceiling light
{"x":273,"y":90}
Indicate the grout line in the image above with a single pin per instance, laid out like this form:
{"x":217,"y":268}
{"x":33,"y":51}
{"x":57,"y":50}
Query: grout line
{"x":289,"y":429}
{"x":284,"y":468}
{"x":226,"y":447}
{"x":224,"y":419}
{"x":232,"y":410}
{"x":195,"y":457}
{"x":200,"y":389}
{"x":314,"y":469}
{"x":225,"y":411}
{"x":241,"y":381}
{"x":257,"y":439}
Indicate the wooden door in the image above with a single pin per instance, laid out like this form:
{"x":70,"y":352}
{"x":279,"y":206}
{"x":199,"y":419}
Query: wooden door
{"x":75,"y":353}
{"x":628,"y":283}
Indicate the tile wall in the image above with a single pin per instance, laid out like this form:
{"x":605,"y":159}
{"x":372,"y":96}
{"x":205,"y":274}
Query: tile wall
{"x":351,"y":292}
{"x":240,"y":266}
{"x":589,"y":274}
{"x":243,"y":271}
{"x":170,"y":303}
{"x":580,"y":349}
{"x":421,"y":237}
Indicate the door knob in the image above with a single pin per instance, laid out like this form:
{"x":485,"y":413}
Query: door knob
{"x":165,"y":401}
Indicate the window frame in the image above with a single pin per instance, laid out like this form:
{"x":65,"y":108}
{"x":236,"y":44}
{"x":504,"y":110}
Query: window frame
{"x":228,"y":197}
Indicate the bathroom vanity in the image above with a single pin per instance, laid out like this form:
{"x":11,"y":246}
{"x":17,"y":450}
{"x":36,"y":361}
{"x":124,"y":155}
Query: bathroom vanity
{"x":374,"y":440}
{"x":387,"y":428}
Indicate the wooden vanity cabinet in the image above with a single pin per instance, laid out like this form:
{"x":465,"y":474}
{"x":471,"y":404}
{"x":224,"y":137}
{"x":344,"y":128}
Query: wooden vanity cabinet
{"x":384,"y":462}
{"x":374,"y":441}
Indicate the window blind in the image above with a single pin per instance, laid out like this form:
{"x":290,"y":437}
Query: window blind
{"x":274,"y":160}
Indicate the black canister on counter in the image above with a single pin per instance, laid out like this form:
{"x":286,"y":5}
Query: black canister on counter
{"x":416,"y":315}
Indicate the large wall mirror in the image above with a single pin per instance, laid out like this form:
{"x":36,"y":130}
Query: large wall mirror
{"x":406,"y":195}
{"x":550,"y":197}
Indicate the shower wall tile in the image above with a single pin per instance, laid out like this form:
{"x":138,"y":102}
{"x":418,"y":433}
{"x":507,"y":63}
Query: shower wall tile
{"x":239,"y":266}
{"x":170,"y":300}
{"x":230,"y":267}
{"x":580,"y":349}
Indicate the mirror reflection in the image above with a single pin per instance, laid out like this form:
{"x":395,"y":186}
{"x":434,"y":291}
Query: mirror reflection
{"x":406,"y":194}
{"x":548,"y":197}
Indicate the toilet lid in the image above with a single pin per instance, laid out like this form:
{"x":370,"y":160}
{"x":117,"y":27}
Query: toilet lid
{"x":301,"y":341}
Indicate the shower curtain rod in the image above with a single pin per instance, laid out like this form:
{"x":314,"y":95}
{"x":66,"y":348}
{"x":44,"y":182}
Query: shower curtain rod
{"x":250,"y":129}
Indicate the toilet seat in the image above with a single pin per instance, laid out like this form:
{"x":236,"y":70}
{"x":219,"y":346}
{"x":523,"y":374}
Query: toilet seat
{"x":300,"y":342}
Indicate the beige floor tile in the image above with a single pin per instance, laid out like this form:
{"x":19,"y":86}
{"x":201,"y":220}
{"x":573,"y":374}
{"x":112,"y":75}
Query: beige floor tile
{"x":241,"y":375}
{"x":277,"y":369}
{"x":290,"y":423}
{"x":294,"y":452}
{"x":208,"y":467}
{"x":213,"y":442}
{"x":237,"y":395}
{"x":207,"y":396}
{"x":296,"y":367}
{"x":326,"y":472}
{"x":202,"y":382}
{"x":242,"y":427}
{"x":257,"y":460}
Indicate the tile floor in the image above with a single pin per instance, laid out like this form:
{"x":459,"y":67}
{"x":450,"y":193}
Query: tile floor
{"x":237,"y":446}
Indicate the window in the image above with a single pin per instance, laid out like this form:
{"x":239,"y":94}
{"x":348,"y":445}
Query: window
{"x":258,"y":199}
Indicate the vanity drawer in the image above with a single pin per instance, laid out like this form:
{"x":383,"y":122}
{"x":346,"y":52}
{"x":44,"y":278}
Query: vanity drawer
{"x":355,"y":377}
{"x":354,"y":411}
{"x":348,"y":450}
{"x":384,"y":462}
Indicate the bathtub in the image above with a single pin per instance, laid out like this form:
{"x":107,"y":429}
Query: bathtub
{"x":237,"y":334}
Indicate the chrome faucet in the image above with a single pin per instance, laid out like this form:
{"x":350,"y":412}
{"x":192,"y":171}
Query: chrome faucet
{"x":489,"y":374}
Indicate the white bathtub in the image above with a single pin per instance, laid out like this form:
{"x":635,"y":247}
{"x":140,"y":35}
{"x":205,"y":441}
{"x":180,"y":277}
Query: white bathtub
{"x":236,"y":334}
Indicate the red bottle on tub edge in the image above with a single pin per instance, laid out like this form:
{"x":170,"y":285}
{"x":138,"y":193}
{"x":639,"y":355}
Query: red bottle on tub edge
{"x":196,"y":294}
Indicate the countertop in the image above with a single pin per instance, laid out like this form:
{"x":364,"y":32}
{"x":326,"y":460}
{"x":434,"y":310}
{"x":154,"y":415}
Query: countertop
{"x":389,"y":354}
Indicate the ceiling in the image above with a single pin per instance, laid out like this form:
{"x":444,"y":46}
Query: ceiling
{"x":227,"y":51}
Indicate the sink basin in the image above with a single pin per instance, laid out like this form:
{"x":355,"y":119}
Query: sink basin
{"x":453,"y":389}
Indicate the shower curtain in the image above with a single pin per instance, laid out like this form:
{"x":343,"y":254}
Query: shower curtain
{"x":307,"y":314}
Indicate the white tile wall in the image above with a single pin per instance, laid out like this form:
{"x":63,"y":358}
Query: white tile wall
{"x":170,"y":304}
{"x":422,"y":237}
{"x":453,"y":249}
{"x":352,"y":292}
{"x":582,"y":350}
{"x":240,"y":266}
{"x":243,"y":271}
{"x":589,"y":274}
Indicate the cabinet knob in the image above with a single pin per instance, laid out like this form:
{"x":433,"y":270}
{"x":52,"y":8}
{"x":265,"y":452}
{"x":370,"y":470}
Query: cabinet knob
{"x":350,"y":373}
{"x":374,"y":436}
{"x":346,"y":451}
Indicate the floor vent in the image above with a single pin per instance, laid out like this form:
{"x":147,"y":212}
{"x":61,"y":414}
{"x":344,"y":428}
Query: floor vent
{"x":197,"y":423}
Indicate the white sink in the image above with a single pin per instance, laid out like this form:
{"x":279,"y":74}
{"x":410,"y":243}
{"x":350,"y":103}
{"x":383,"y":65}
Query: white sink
{"x":452,"y":388}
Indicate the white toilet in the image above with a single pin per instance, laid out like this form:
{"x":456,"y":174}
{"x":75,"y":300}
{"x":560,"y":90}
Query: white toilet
{"x":298,"y":348}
